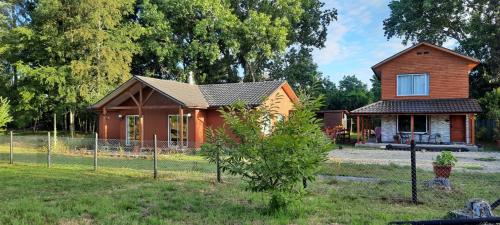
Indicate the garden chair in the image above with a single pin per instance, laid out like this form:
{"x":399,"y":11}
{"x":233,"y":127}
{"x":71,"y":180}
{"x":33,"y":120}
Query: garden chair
{"x":435,"y":138}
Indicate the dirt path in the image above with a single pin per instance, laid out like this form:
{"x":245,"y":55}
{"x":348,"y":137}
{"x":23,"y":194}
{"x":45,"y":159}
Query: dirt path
{"x":485,"y":162}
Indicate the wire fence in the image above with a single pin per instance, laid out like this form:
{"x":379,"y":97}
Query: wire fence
{"x":111,"y":153}
{"x":383,"y":183}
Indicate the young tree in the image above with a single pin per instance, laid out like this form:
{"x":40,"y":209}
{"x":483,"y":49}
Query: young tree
{"x":4,"y":112}
{"x":277,"y":161}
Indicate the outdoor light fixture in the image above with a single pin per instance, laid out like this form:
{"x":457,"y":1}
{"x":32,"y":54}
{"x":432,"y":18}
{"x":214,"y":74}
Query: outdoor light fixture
{"x":188,"y":115}
{"x":120,"y":116}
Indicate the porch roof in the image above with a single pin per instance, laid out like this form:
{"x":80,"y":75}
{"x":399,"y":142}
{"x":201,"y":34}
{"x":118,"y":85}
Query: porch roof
{"x":421,"y":106}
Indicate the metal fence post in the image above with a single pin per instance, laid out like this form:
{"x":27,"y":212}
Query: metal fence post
{"x":95,"y":151}
{"x":155,"y":159}
{"x":414,"y":198}
{"x":11,"y":153}
{"x":48,"y":149}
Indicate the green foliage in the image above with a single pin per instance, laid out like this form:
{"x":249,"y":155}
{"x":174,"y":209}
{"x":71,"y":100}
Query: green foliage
{"x":445,"y":158}
{"x":376,"y":90}
{"x":491,"y":104}
{"x":277,"y":161}
{"x":473,"y":24}
{"x":215,"y":149}
{"x":298,"y":68}
{"x":350,"y":94}
{"x":5,"y":116}
{"x":215,"y":38}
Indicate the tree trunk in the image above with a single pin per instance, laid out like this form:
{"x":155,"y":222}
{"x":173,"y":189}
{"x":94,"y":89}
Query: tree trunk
{"x":71,"y":123}
{"x":66,"y":121}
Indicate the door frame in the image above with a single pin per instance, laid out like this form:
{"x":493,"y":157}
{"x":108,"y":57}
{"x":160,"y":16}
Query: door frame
{"x":464,"y":130}
{"x":186,"y":125}
{"x":127,"y":138}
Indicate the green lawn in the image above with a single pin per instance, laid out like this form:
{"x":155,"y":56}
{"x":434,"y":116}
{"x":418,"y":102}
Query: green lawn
{"x":71,"y":193}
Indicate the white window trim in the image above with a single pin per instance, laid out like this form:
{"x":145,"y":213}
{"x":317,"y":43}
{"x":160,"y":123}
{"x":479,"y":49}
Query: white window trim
{"x":427,"y":86}
{"x":409,"y":132}
{"x":127,"y":138}
{"x":169,"y":142}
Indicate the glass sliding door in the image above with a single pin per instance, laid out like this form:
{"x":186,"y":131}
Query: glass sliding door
{"x":133,"y":134}
{"x":174,"y":131}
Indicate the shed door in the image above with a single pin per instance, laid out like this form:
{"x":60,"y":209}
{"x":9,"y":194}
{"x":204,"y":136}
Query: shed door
{"x":457,"y":130}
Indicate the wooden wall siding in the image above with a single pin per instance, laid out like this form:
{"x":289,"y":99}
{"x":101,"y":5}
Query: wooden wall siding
{"x":281,"y":101}
{"x":448,"y":74}
{"x":332,"y":119}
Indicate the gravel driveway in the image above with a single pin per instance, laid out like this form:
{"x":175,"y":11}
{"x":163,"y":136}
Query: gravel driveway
{"x":485,"y":162}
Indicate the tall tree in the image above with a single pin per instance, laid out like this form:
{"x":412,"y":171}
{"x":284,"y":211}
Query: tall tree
{"x":474,"y":24}
{"x":217,"y":39}
{"x":299,"y":69}
{"x":66,"y":54}
{"x":376,"y":89}
{"x":351,"y":93}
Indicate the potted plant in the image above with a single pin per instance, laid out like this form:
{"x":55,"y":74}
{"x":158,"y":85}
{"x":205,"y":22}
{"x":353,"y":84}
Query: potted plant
{"x":443,"y":164}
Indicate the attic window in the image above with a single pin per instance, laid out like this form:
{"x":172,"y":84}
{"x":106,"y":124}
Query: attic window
{"x":426,"y":52}
{"x":419,"y":53}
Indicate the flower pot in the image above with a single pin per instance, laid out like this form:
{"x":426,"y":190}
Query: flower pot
{"x":442,"y":171}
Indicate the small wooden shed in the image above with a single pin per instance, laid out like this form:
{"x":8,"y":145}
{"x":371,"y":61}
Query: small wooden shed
{"x":333,"y":118}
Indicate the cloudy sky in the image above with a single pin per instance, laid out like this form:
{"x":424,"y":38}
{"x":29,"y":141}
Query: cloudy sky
{"x":356,"y":40}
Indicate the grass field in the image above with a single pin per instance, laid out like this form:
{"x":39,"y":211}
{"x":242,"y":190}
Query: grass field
{"x":71,"y":193}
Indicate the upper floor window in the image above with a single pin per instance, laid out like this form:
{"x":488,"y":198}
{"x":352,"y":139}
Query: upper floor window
{"x":413,"y":84}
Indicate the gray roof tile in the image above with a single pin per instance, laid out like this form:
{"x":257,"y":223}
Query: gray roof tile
{"x":421,"y":106}
{"x":252,"y":93}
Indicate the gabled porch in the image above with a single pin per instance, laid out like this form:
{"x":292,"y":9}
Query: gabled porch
{"x":434,"y":124}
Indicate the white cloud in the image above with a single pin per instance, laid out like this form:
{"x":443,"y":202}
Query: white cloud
{"x":333,"y":47}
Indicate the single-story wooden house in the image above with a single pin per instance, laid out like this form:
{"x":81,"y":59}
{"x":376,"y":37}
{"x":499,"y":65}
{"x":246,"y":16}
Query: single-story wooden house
{"x":143,"y":106}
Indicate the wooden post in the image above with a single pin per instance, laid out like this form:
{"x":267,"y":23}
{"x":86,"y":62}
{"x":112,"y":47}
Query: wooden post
{"x":141,"y":118}
{"x":412,"y":127}
{"x":472,"y":129}
{"x":48,"y":149}
{"x":181,"y":128}
{"x":96,"y":146}
{"x":105,"y":121}
{"x":11,"y":153}
{"x":357,"y":129}
{"x":155,"y":158}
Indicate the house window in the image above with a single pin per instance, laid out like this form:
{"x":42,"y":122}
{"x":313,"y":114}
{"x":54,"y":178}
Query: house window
{"x":174,"y":130}
{"x":419,"y":123}
{"x":132,"y":129}
{"x":413,"y":84}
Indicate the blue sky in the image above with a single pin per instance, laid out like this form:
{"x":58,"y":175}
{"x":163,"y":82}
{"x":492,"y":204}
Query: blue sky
{"x":356,"y":40}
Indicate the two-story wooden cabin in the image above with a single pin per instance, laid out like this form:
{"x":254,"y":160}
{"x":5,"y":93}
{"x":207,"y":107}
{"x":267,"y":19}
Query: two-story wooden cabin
{"x":425,"y":97}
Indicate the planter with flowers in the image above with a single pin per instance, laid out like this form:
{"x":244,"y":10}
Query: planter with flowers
{"x":443,"y":164}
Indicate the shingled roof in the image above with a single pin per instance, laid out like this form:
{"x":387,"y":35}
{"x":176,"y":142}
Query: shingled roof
{"x":252,"y":93}
{"x":420,"y":106}
{"x":202,"y":96}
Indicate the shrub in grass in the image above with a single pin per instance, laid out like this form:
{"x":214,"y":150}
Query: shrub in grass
{"x":272,"y":154}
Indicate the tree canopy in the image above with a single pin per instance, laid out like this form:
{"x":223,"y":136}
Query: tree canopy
{"x":62,"y":56}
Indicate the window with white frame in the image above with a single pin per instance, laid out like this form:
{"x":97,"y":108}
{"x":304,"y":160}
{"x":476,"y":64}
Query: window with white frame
{"x":413,"y":84}
{"x":419,"y":123}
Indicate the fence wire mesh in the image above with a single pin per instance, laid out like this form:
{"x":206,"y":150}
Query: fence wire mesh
{"x":381,"y":182}
{"x":111,"y":153}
